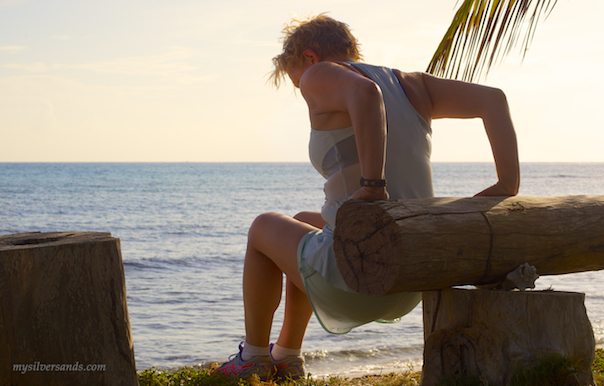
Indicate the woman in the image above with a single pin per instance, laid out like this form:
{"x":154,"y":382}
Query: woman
{"x":369,"y":124}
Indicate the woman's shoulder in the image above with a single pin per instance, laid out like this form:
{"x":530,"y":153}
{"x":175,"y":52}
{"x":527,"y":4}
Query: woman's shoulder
{"x":412,"y":79}
{"x":417,"y":92}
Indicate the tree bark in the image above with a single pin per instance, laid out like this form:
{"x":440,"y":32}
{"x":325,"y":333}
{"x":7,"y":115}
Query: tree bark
{"x":63,"y":313}
{"x":386,"y":247}
{"x":493,"y":334}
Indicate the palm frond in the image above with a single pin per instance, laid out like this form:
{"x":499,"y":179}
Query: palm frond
{"x":483,"y":33}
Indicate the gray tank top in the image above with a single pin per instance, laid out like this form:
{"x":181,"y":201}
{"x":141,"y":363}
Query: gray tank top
{"x":408,"y":171}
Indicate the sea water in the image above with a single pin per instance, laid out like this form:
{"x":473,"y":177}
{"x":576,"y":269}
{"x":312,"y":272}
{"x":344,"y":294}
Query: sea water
{"x":183,"y":230}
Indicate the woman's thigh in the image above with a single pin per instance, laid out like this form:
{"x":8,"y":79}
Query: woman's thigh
{"x":312,"y":218}
{"x":277,"y":236}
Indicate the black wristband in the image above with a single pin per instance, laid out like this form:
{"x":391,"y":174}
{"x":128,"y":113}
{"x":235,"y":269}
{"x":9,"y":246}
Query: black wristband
{"x":373,"y":183}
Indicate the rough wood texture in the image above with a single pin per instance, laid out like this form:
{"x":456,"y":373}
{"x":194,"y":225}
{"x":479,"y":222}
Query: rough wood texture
{"x":63,"y":302}
{"x":386,"y":247}
{"x":492,"y":334}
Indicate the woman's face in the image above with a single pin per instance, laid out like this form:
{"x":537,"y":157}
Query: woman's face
{"x":309,"y":57}
{"x":296,"y":73}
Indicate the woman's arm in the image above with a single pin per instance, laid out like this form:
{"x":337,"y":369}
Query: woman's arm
{"x":338,"y":97}
{"x":455,"y":99}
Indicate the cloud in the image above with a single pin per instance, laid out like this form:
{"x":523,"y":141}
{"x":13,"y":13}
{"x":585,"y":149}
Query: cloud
{"x":11,"y":2}
{"x":176,"y":61}
{"x":12,"y":49}
{"x":190,"y":79}
{"x":36,"y":67}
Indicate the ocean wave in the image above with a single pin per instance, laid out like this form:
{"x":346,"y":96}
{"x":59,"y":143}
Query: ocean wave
{"x":143,"y":264}
{"x":566,"y":176}
{"x":410,"y":351}
{"x":177,"y":263}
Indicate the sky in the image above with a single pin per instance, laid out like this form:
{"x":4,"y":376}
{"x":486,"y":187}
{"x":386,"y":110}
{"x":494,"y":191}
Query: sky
{"x":186,"y":81}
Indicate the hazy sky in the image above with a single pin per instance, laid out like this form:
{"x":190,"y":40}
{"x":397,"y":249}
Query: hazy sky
{"x":185,"y":80}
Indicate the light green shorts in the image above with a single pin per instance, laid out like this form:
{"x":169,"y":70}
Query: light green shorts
{"x":337,"y":307}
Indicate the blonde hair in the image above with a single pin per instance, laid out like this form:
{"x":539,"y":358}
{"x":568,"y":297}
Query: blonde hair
{"x":322,"y":34}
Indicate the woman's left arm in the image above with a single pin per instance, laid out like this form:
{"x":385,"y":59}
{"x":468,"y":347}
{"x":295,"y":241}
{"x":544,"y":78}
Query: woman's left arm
{"x":455,"y":99}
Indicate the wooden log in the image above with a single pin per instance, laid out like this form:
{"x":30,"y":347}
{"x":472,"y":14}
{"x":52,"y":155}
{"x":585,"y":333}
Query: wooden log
{"x":386,"y":247}
{"x":493,"y":334}
{"x":63,"y":313}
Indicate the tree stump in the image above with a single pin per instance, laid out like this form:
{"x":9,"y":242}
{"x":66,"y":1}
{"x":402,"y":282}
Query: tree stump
{"x":492,"y":334}
{"x":63,"y":313}
{"x":385,"y":247}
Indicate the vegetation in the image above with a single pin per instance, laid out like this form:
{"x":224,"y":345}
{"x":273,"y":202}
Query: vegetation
{"x":550,"y":370}
{"x":189,"y":376}
{"x":598,"y":367}
{"x":483,"y":32}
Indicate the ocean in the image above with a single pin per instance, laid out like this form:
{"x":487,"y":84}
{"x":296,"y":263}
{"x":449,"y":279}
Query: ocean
{"x":183,"y":230}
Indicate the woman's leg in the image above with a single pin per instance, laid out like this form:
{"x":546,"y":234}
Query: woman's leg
{"x":271,"y":251}
{"x":297,"y":308}
{"x":297,"y":314}
{"x":313,"y":218}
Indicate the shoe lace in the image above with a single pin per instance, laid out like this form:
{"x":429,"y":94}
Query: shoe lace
{"x":233,"y":356}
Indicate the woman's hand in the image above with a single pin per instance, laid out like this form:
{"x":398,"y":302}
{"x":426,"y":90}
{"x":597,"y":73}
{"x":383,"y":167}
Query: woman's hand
{"x":368,"y":193}
{"x":499,"y":190}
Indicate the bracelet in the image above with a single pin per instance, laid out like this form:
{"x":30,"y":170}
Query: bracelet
{"x":373,"y":183}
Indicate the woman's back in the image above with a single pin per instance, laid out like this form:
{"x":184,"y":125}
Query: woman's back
{"x":408,"y":171}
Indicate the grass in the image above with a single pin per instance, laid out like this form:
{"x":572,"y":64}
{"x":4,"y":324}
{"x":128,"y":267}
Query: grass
{"x":546,"y":371}
{"x":598,"y":367}
{"x":549,"y":370}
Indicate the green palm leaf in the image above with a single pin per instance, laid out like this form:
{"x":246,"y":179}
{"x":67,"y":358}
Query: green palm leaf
{"x":483,"y":32}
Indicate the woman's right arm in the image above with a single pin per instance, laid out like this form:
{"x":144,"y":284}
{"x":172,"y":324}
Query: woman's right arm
{"x":333,"y":91}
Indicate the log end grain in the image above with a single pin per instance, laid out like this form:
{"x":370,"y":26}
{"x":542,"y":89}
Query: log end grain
{"x":33,"y":239}
{"x":363,"y":238}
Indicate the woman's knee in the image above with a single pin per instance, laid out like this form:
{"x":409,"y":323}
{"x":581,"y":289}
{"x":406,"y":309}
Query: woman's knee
{"x":264,"y":223}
